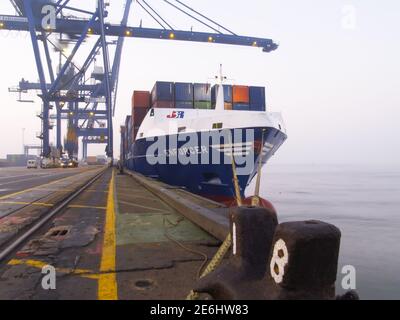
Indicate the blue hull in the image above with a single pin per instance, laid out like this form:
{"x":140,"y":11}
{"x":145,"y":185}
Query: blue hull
{"x":211,"y":179}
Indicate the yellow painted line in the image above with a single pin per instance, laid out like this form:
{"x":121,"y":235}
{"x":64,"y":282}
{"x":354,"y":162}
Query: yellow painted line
{"x":107,"y":285}
{"x":51,"y":205}
{"x":86,"y":207}
{"x":41,"y":204}
{"x":84,"y":273}
{"x":37,"y":187}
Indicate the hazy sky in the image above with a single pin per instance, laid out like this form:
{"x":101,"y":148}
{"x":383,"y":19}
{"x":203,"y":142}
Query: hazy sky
{"x":335,"y":76}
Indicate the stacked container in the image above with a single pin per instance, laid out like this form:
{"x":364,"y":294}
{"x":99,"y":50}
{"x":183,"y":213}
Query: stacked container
{"x":241,"y":99}
{"x":227,"y":96}
{"x":140,"y":107}
{"x":202,"y":95}
{"x":162,"y":95}
{"x":128,"y":126}
{"x":123,"y":145}
{"x":257,"y":98}
{"x":128,"y":133}
{"x":183,"y":95}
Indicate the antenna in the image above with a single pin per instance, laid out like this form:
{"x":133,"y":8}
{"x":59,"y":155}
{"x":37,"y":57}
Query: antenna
{"x":220,"y":103}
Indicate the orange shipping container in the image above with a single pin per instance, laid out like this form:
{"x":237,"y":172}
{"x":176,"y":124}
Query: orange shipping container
{"x":141,"y":99}
{"x":241,"y":94}
{"x":228,"y":106}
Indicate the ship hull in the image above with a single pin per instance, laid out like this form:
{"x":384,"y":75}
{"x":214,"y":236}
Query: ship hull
{"x":206,"y":168}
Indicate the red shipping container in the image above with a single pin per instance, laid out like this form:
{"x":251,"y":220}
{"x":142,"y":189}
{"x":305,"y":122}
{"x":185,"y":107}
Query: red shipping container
{"x":138,"y":114}
{"x":141,"y":99}
{"x":241,"y":94}
{"x":164,"y":104}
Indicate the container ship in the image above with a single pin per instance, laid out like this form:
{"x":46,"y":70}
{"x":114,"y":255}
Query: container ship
{"x":200,"y":137}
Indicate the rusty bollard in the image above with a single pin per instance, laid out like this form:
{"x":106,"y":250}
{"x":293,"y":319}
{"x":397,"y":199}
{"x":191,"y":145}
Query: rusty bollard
{"x":293,"y":260}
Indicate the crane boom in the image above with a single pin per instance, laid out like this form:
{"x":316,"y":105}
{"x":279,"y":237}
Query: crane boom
{"x":76,"y":27}
{"x":78,"y":101}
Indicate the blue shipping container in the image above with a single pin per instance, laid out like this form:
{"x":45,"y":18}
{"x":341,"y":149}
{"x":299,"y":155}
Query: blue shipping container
{"x":227,"y":93}
{"x":184,"y":105}
{"x":202,"y":92}
{"x":257,"y":98}
{"x":162,"y":91}
{"x":183,"y":91}
{"x":241,"y":106}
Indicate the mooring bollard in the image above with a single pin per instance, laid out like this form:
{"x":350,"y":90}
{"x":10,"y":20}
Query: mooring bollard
{"x":293,"y":260}
{"x":252,"y":230}
{"x":303,"y":261}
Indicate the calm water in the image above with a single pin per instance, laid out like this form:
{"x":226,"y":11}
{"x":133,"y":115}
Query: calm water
{"x":363,"y":201}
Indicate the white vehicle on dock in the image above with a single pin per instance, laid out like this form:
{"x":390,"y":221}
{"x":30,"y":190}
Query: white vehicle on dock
{"x":32,"y":164}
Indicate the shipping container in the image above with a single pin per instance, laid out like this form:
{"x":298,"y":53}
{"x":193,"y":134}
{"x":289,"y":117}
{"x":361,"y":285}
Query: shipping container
{"x":128,"y":125}
{"x":18,"y":160}
{"x":125,"y":140}
{"x":183,"y":91}
{"x":138,"y":117}
{"x":257,"y":98}
{"x":122,"y":144}
{"x":128,"y":122}
{"x":138,"y":114}
{"x":227,"y":93}
{"x":91,"y":160}
{"x":240,"y":94}
{"x":135,"y":132}
{"x":202,"y":92}
{"x":184,"y":104}
{"x":162,"y":91}
{"x":163,"y":104}
{"x":241,"y":106}
{"x":228,"y":106}
{"x":141,"y":99}
{"x":202,"y":105}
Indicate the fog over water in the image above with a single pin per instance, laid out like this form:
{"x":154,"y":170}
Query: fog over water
{"x":362,"y":201}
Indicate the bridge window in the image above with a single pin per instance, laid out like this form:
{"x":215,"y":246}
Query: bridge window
{"x":217,"y":125}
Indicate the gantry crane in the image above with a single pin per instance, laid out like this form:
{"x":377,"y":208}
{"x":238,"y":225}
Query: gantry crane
{"x":89,"y":106}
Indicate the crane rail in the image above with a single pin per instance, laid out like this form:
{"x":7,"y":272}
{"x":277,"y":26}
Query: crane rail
{"x":23,"y":236}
